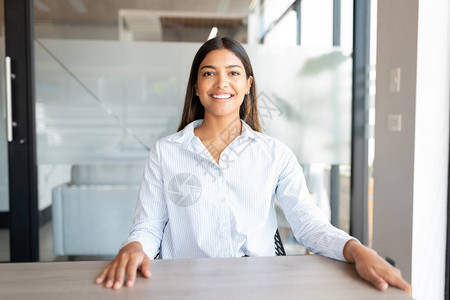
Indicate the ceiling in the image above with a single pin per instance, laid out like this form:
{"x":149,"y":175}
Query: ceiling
{"x":181,"y":20}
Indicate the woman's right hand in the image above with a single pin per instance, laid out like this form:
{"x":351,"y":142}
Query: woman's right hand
{"x":129,"y":259}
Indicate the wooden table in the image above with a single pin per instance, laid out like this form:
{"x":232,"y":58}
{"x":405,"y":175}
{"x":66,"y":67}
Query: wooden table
{"x":288,"y":277}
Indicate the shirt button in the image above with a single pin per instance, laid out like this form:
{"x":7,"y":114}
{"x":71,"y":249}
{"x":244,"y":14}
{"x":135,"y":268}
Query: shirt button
{"x":222,"y":200}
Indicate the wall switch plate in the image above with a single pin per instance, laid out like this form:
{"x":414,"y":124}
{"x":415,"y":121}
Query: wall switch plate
{"x":395,"y":123}
{"x":394,"y":81}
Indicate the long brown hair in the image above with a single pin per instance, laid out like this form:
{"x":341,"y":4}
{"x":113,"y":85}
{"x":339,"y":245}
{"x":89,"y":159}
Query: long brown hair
{"x":193,"y":108}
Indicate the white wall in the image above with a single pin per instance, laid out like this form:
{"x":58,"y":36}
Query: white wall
{"x":394,"y":151}
{"x":431,"y":149}
{"x":410,"y":168}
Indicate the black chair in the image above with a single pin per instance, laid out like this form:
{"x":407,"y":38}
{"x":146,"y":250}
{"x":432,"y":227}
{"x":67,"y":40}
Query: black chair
{"x":279,"y":249}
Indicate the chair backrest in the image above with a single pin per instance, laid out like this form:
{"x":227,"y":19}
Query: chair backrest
{"x":279,"y":249}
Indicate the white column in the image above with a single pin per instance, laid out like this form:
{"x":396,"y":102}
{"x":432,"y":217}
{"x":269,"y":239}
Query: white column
{"x":411,"y":165}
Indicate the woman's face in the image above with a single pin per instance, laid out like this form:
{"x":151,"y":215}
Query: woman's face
{"x":222,"y":83}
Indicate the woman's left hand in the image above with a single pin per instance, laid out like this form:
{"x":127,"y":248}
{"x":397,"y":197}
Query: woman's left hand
{"x":373,"y":268}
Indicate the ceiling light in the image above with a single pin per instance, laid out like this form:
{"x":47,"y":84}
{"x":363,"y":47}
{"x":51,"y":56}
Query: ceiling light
{"x":213,"y":33}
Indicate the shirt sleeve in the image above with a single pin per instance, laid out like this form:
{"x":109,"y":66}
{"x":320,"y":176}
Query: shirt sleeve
{"x":150,"y":216}
{"x":310,"y":226}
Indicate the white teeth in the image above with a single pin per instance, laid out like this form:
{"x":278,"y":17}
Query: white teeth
{"x":223,"y":96}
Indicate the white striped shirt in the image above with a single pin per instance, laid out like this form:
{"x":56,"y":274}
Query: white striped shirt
{"x":191,"y":206}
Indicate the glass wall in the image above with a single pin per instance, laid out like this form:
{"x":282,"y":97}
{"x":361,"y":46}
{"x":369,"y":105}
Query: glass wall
{"x":110,"y":81}
{"x":311,"y":25}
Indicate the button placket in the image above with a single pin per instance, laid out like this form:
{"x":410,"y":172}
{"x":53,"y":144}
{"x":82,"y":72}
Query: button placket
{"x":224,"y":219}
{"x":220,"y":205}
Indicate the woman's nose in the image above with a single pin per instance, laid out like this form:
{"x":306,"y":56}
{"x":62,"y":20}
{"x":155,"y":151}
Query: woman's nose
{"x":222,"y":81}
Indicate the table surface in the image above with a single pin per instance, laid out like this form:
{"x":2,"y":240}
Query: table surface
{"x":286,"y":277}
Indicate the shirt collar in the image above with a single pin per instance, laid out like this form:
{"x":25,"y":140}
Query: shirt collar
{"x":186,"y":135}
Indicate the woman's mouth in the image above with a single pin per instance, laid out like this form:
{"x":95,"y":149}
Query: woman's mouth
{"x":222,"y":96}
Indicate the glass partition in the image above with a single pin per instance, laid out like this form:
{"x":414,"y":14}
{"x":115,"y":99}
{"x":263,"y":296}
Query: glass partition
{"x":107,"y":90}
{"x":314,"y":25}
{"x":105,"y":101}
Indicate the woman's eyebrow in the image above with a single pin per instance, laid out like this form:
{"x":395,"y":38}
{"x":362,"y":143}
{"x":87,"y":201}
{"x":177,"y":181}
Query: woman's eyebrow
{"x":207,"y":67}
{"x":233,"y":66}
{"x":212,"y":67}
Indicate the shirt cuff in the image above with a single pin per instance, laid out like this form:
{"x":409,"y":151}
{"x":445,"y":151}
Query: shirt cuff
{"x":341,"y":244}
{"x":149,"y":249}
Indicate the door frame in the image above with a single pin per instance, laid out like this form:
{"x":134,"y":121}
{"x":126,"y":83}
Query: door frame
{"x":360,"y":103}
{"x":22,"y":166}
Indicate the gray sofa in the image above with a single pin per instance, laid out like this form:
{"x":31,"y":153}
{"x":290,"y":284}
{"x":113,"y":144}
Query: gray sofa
{"x":93,"y":213}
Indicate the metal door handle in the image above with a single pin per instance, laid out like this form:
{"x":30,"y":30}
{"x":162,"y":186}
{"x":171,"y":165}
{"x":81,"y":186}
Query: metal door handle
{"x":8,"y":99}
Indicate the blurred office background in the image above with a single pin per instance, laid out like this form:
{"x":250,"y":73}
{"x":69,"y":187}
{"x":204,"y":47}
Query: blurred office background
{"x":110,"y":79}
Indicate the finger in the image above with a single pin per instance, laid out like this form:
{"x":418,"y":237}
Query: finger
{"x":403,"y":285}
{"x":145,"y":267}
{"x":111,"y":275}
{"x":376,"y":280}
{"x":102,"y":275}
{"x":131,"y":271}
{"x":395,"y":279}
{"x":120,"y":273}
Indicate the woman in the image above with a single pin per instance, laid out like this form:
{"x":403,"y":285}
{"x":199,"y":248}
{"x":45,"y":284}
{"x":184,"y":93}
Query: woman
{"x":209,"y":189}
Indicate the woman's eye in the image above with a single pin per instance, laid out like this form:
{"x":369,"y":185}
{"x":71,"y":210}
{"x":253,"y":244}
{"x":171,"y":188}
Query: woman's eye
{"x":234,"y":73}
{"x":207,"y":73}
